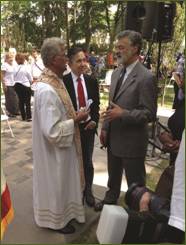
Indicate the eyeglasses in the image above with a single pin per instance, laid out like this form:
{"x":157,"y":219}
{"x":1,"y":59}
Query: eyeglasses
{"x":120,"y":47}
{"x":62,"y":55}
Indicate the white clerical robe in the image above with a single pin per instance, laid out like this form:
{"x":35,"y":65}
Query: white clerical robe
{"x":56,"y":177}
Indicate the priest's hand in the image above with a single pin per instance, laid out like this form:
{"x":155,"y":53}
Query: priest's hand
{"x":114,"y":111}
{"x":81,"y":116}
{"x":103,"y":138}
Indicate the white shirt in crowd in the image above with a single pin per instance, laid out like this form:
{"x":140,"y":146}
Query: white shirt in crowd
{"x":177,"y":210}
{"x":68,"y":70}
{"x":22,"y":75}
{"x":37,"y":67}
{"x":9,"y":74}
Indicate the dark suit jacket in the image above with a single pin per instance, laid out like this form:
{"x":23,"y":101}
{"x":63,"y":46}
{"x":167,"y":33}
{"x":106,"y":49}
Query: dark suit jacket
{"x":177,"y":103}
{"x":128,"y":135}
{"x":92,"y":91}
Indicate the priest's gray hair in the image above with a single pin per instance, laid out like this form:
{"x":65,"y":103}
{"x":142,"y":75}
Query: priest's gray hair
{"x":134,"y":37}
{"x":50,"y":48}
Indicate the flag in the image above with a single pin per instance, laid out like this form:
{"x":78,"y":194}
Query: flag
{"x":7,"y":212}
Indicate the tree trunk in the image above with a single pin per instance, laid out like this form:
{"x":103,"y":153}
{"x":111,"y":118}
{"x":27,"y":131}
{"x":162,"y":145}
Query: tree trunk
{"x":88,"y":10}
{"x":112,"y":38}
{"x":67,"y":25}
{"x":112,"y":29}
{"x":48,"y":20}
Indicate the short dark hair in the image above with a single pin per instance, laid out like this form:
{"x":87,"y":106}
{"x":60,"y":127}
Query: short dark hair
{"x":73,"y":51}
{"x":134,"y":37}
{"x":34,"y":50}
{"x":20,"y":58}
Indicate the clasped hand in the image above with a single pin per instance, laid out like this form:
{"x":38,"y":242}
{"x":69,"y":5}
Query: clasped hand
{"x":172,"y":147}
{"x":114,"y":111}
{"x":81,"y":115}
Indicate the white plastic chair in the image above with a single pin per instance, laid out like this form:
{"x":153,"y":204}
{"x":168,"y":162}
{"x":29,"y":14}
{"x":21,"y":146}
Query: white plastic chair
{"x":4,"y":117}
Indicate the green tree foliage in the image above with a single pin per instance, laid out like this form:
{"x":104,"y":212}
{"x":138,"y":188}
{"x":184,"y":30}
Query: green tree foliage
{"x":115,"y":21}
{"x":28,"y":23}
{"x":90,"y":19}
{"x":13,"y":22}
{"x":87,"y":17}
{"x":170,"y":49}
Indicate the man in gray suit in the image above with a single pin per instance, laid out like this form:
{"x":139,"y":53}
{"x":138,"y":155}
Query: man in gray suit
{"x":132,"y":105}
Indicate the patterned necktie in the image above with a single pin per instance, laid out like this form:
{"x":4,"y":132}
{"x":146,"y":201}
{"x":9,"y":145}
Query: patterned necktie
{"x":119,"y":82}
{"x":81,"y":95}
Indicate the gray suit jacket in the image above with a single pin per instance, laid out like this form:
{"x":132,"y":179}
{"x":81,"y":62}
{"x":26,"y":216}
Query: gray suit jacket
{"x":128,"y":135}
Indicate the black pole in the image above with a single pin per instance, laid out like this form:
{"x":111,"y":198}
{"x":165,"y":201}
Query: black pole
{"x":158,"y":64}
{"x":157,"y":76}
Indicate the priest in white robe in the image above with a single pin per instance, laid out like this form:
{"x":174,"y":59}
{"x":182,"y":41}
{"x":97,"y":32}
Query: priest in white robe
{"x":57,"y":158}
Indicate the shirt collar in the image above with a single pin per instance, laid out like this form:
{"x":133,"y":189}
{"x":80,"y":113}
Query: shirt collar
{"x":75,"y":77}
{"x":131,"y":66}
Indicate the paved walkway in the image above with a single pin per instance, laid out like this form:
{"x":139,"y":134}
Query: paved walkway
{"x":16,"y":156}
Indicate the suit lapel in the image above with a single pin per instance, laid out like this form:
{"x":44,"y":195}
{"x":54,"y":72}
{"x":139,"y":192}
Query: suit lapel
{"x":87,"y":85}
{"x":71,"y":91}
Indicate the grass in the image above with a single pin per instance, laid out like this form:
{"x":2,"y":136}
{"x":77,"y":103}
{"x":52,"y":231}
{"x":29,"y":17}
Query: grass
{"x":168,"y":99}
{"x":154,"y":175}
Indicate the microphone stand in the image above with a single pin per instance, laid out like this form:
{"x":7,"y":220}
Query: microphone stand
{"x":147,"y":59}
{"x":149,"y":51}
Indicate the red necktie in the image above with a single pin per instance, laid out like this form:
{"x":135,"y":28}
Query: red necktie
{"x":81,"y":96}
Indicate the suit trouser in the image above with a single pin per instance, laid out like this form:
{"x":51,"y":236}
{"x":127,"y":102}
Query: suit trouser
{"x":173,"y":156}
{"x":134,"y":172}
{"x":24,"y":95}
{"x":87,"y":143}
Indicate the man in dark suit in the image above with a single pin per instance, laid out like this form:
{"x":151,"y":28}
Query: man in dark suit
{"x":176,"y":123}
{"x":132,"y":105}
{"x":83,"y":90}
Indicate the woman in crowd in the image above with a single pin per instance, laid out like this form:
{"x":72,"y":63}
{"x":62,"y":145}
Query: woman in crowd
{"x":23,"y":79}
{"x":176,"y":123}
{"x":7,"y":79}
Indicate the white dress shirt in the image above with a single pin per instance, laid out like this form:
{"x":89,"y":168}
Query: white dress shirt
{"x":75,"y":82}
{"x":74,"y":78}
{"x":22,"y":75}
{"x":36,"y":68}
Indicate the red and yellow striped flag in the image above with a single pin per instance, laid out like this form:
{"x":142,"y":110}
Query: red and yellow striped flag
{"x":7,"y":212}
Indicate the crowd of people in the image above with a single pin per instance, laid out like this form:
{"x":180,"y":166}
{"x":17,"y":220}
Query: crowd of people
{"x":18,"y":74}
{"x":65,"y":121}
{"x":17,"y":78}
